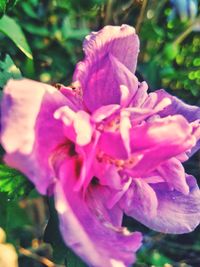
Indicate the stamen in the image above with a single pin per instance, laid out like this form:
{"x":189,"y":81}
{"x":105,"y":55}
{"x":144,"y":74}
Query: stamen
{"x":119,"y":163}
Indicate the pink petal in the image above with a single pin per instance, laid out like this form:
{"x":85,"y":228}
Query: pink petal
{"x":140,"y":200}
{"x":29,"y":131}
{"x":77,"y":125}
{"x":176,"y":213}
{"x":191,"y":113}
{"x":104,"y":112}
{"x":174,"y":174}
{"x":114,"y":40}
{"x":167,"y":137}
{"x":117,"y":149}
{"x":125,"y":126}
{"x":105,"y":67}
{"x":140,"y":96}
{"x":83,"y":128}
{"x":89,"y":228}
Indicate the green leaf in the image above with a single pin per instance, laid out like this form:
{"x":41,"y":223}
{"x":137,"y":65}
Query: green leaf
{"x":158,"y":259}
{"x":36,"y":30}
{"x":28,"y":9}
{"x":13,"y":183}
{"x":72,"y":260}
{"x":171,"y":50}
{"x":8,"y":70}
{"x":10,"y":28}
{"x":2,"y":7}
{"x":70,"y":32}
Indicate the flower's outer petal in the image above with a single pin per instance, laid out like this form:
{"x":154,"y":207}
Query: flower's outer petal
{"x":167,"y":137}
{"x":115,"y":40}
{"x":173,"y":173}
{"x":191,"y":113}
{"x":106,"y":67}
{"x":103,"y":81}
{"x":141,"y":198}
{"x":176,"y":213}
{"x":87,"y":226}
{"x":29,"y":132}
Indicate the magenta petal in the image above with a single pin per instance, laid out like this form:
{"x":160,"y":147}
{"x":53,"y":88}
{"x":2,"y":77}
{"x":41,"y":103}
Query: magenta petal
{"x":89,"y":228}
{"x":29,"y":132}
{"x":114,"y":40}
{"x":140,"y":199}
{"x":117,"y":150}
{"x":104,"y":112}
{"x":140,"y":95}
{"x":191,"y":113}
{"x":106,"y":67}
{"x":173,"y":173}
{"x":108,"y":74}
{"x":176,"y":213}
{"x":167,"y":137}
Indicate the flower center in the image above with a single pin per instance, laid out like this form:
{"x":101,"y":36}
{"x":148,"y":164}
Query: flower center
{"x":120,"y":164}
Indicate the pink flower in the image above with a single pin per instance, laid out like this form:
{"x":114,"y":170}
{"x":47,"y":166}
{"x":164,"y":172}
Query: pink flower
{"x":105,"y":148}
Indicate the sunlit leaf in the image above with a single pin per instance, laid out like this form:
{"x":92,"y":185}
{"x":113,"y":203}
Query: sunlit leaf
{"x":13,"y":182}
{"x":8,"y":70}
{"x":10,"y":28}
{"x":2,"y":7}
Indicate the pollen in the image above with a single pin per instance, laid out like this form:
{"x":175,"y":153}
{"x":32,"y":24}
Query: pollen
{"x":119,"y":163}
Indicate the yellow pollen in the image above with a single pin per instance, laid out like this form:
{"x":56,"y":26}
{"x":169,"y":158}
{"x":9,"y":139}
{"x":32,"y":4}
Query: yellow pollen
{"x":119,"y":163}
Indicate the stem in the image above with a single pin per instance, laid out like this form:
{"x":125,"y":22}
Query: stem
{"x":184,"y":34}
{"x":141,"y":16}
{"x":43,"y":260}
{"x":108,"y":12}
{"x":158,"y":9}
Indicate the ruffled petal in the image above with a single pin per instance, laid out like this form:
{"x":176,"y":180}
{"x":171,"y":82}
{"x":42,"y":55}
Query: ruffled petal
{"x":29,"y":132}
{"x":77,"y":125}
{"x":115,"y":40}
{"x":167,"y":137}
{"x":140,"y":95}
{"x":104,"y":112}
{"x":105,"y":67}
{"x":191,"y":113}
{"x":117,"y":150}
{"x":88,"y":227}
{"x":173,"y":173}
{"x":140,"y":199}
{"x":176,"y":213}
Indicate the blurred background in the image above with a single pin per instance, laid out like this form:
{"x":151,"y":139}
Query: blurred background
{"x":42,"y":40}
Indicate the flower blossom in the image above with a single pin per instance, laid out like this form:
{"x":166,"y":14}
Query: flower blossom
{"x":105,"y":147}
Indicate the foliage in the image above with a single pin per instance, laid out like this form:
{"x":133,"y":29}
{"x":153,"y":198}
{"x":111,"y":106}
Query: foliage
{"x":43,"y":40}
{"x":8,"y":70}
{"x":9,"y":27}
{"x":5,"y":5}
{"x":13,"y":182}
